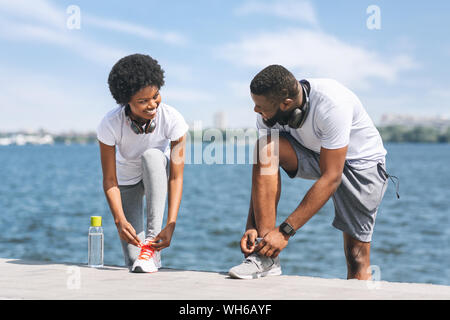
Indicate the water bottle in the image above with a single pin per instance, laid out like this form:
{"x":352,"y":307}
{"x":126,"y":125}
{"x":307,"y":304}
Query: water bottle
{"x":95,"y":243}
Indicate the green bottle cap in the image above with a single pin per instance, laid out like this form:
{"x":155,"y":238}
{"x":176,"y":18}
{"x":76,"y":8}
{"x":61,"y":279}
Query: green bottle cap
{"x":96,"y":221}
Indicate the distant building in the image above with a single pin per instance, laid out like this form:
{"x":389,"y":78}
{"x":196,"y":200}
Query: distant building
{"x":27,"y":137}
{"x":220,"y":120}
{"x":390,"y":119}
{"x":23,"y":139}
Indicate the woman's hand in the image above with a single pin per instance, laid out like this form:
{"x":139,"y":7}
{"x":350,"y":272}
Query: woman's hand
{"x":127,"y":233}
{"x":163,"y":239}
{"x":112,"y":193}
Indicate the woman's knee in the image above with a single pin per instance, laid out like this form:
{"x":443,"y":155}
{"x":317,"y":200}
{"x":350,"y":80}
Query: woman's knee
{"x":154,"y":165}
{"x":153,"y":157}
{"x":152,"y":153}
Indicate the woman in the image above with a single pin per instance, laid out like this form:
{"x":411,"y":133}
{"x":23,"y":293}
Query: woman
{"x":142,"y":146}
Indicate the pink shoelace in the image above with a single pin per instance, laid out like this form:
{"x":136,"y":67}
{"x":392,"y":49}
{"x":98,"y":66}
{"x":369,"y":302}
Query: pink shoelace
{"x":146,"y":252}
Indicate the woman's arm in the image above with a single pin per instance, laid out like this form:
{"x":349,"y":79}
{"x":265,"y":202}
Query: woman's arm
{"x":177,"y":156}
{"x":112,"y":193}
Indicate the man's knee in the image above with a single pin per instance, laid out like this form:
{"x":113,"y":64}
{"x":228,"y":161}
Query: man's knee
{"x":274,"y":151}
{"x":265,"y":155}
{"x":266,"y":147}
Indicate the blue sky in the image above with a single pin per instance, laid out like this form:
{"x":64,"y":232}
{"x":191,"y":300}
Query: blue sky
{"x":55,"y":78}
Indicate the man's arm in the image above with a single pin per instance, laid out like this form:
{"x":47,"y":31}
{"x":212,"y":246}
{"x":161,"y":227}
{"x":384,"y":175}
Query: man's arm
{"x":250,"y":235}
{"x":331,"y":163}
{"x":331,"y":166}
{"x":250,"y":218}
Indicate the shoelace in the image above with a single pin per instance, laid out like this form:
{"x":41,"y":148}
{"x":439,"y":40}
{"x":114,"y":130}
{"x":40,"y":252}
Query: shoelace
{"x":146,"y":252}
{"x":253,"y":260}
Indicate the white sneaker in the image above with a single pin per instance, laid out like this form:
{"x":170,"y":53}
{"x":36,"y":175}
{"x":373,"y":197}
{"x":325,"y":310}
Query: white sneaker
{"x":147,"y":261}
{"x":256,"y":266}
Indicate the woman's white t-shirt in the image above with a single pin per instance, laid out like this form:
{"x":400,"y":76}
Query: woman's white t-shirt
{"x":337,"y":119}
{"x":115,"y":130}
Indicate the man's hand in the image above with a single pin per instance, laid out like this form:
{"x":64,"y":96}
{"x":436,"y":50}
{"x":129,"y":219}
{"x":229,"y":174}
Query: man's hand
{"x":272,"y":244}
{"x":248,"y":242}
{"x":163,"y":239}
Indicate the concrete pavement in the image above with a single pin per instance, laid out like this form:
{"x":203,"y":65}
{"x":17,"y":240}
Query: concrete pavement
{"x":21,"y":279}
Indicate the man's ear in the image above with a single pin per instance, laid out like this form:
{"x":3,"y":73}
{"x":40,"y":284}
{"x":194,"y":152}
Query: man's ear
{"x":286,"y":104}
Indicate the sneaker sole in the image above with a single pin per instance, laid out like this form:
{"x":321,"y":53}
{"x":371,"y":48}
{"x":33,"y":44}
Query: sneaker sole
{"x":271,"y":272}
{"x":138,"y":269}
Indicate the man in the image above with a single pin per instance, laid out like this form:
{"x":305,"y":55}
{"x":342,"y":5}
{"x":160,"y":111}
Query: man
{"x":319,"y":130}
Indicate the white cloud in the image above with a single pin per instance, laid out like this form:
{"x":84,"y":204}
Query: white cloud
{"x":173,"y":38}
{"x":37,"y":11}
{"x":41,"y":21}
{"x":298,"y":10}
{"x":88,"y":49}
{"x":315,"y":54}
{"x":57,"y":102}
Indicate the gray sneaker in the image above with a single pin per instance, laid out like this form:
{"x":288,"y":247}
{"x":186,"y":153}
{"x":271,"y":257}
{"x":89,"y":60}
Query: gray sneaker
{"x":256,"y":266}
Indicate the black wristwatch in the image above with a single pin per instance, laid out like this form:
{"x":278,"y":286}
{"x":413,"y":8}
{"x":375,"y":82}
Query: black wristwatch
{"x":287,"y":229}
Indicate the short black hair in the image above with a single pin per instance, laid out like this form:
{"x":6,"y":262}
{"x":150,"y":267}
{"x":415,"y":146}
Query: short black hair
{"x":132,"y":73}
{"x":276,"y":83}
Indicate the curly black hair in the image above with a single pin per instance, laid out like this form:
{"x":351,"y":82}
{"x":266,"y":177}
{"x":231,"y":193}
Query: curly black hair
{"x":132,"y":73}
{"x":276,"y":83}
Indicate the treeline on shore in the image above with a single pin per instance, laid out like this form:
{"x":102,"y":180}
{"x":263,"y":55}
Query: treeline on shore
{"x":422,"y":134}
{"x":392,"y":133}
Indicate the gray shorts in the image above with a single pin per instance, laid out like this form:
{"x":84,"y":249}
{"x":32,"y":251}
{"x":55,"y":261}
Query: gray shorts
{"x":357,"y":198}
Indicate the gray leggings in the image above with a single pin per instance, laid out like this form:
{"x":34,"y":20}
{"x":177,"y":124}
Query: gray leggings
{"x":155,"y":171}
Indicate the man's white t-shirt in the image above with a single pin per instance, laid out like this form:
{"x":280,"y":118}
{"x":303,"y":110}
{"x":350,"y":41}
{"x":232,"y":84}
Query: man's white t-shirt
{"x":336,"y":119}
{"x":115,"y":130}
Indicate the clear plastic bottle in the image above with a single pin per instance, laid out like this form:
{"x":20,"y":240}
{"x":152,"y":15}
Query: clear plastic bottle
{"x":95,"y":243}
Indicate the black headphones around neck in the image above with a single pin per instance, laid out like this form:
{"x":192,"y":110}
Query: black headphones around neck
{"x":137,"y":128}
{"x":296,"y":117}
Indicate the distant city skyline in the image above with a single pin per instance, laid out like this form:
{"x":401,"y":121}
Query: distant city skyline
{"x":220,"y":121}
{"x":56,"y":55}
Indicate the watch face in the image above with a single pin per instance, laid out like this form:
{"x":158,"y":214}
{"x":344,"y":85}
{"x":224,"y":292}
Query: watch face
{"x":287,"y":229}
